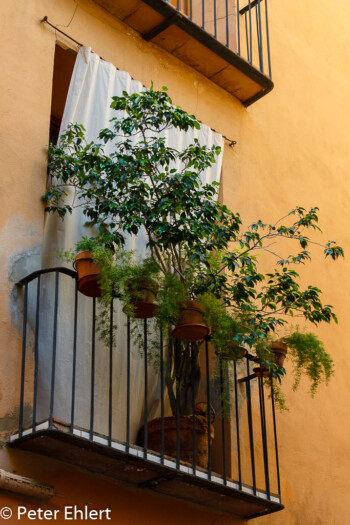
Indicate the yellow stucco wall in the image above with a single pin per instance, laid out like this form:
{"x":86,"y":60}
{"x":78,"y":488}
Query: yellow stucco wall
{"x":292,"y":149}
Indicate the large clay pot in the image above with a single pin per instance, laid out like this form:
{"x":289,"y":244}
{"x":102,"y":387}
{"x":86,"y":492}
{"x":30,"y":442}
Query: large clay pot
{"x":88,"y":272}
{"x":190,"y":326}
{"x":279,"y":350}
{"x":185,"y":436}
{"x":143,"y":303}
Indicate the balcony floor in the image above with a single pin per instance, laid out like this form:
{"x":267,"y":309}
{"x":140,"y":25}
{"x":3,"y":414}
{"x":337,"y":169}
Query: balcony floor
{"x":113,"y":460}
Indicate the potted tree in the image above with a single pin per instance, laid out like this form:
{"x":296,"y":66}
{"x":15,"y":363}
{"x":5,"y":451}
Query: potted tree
{"x":199,"y":244}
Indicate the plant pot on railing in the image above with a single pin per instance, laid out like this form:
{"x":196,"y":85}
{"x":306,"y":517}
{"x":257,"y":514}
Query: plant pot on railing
{"x":142,"y":297}
{"x":154,"y":434}
{"x":261,"y":372}
{"x":232,"y":352}
{"x":190,"y":327}
{"x":279,"y":350}
{"x":88,"y":272}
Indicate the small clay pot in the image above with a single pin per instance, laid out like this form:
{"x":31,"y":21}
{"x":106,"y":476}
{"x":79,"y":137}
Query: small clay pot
{"x":190,"y":326}
{"x":143,"y":304}
{"x":88,"y":272}
{"x":261,"y":372}
{"x":232,"y":352}
{"x":279,"y":350}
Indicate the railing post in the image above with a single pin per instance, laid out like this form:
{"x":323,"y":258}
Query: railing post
{"x":250,"y":34}
{"x":238,"y":31}
{"x":193,"y":365}
{"x":23,"y":364}
{"x":208,"y":407}
{"x":128,"y":385}
{"x":237,"y":428}
{"x":263,"y":435}
{"x":36,"y":353}
{"x":161,"y":398}
{"x":259,"y":30}
{"x":177,"y":382}
{"x":223,"y":407}
{"x":227,"y":27}
{"x":215,"y":30}
{"x":93,"y":349}
{"x":268,"y":39}
{"x":145,"y":444}
{"x":54,"y":348}
{"x":74,"y":357}
{"x":250,"y":426}
{"x":276,"y":446}
{"x":110,"y":389}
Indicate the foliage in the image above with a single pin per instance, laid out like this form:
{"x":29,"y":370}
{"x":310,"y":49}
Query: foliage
{"x":224,"y":327}
{"x":198,"y":243}
{"x":171,"y":296}
{"x":310,"y":357}
{"x":119,"y":276}
{"x":278,"y":396}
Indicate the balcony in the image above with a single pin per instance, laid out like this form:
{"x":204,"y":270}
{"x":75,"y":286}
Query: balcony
{"x":84,"y":403}
{"x":225,"y":40}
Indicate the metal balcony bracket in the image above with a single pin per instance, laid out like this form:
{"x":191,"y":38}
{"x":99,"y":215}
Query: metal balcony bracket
{"x":160,"y":28}
{"x":247,"y":378}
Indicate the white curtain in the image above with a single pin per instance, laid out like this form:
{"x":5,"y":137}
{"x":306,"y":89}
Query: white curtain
{"x":94,"y":82}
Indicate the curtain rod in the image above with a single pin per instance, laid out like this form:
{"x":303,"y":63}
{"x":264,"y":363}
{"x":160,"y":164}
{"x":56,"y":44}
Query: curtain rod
{"x":45,"y":20}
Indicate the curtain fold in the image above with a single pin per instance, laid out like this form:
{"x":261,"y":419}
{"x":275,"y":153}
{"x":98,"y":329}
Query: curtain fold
{"x":92,"y":86}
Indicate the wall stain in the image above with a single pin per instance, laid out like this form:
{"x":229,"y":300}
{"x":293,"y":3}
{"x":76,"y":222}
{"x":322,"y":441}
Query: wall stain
{"x":9,"y":422}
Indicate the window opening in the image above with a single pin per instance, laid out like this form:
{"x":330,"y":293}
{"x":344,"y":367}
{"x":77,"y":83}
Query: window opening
{"x":62,"y":72}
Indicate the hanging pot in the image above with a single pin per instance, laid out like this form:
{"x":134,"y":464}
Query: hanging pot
{"x":261,"y":372}
{"x":279,"y":350}
{"x":88,"y":272}
{"x":143,"y":294}
{"x":154,"y":434}
{"x":232,"y":352}
{"x":190,"y":326}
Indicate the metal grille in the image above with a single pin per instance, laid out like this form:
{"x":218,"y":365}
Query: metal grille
{"x":244,"y":452}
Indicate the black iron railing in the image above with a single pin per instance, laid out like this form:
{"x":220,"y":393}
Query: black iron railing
{"x":241,"y":25}
{"x":104,"y":394}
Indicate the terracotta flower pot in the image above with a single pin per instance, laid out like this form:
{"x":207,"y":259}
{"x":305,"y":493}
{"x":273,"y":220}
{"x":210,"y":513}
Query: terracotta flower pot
{"x":261,"y":372}
{"x":232,"y":352}
{"x":143,"y":304}
{"x":185,"y":436}
{"x":279,"y":350}
{"x":190,"y":326}
{"x":88,"y":272}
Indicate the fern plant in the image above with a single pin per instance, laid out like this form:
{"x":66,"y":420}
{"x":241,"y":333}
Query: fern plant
{"x":309,"y":357}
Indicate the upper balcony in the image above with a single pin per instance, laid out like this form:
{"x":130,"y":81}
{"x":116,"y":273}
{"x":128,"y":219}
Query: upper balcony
{"x":225,"y":40}
{"x":106,"y":407}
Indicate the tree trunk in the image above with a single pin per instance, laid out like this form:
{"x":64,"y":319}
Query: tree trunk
{"x":182,"y":376}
